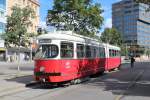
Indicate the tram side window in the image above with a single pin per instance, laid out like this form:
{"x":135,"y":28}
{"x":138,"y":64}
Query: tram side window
{"x":114,"y":54}
{"x":88,"y":51}
{"x":97,"y":52}
{"x":80,"y":50}
{"x":94,"y":52}
{"x":101,"y":52}
{"x":67,"y":50}
{"x":118,"y":53}
{"x":110,"y":53}
{"x":49,"y":51}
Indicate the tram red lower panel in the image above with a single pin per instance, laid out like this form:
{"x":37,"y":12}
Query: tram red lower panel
{"x":112,"y":63}
{"x":64,"y":70}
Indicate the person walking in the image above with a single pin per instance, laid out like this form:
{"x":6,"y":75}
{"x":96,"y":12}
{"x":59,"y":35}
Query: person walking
{"x":132,"y":62}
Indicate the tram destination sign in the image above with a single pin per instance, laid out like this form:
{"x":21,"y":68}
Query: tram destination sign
{"x":45,"y":41}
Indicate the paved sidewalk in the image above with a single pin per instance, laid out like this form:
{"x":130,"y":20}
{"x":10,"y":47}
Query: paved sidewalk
{"x":11,"y":69}
{"x":21,"y":62}
{"x":10,"y":78}
{"x":15,"y":84}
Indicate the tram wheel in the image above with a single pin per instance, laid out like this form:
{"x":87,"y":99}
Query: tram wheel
{"x":102,"y":72}
{"x":119,"y":67}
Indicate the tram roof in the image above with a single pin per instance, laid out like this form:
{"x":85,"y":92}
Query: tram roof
{"x":67,"y":35}
{"x":70,"y":36}
{"x":111,"y":46}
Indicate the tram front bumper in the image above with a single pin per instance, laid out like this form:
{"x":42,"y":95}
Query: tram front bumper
{"x":38,"y":74}
{"x":46,"y":77}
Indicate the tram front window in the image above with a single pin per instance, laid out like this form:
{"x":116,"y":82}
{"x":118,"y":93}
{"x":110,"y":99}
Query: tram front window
{"x":47,"y":51}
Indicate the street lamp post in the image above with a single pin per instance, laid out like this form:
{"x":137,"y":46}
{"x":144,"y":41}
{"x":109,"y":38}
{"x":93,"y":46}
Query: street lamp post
{"x":18,"y":67}
{"x":20,"y":40}
{"x":31,"y":41}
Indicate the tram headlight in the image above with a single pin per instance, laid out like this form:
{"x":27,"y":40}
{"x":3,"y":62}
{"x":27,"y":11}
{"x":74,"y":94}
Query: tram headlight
{"x":42,"y":69}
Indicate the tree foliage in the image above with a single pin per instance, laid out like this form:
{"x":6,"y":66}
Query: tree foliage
{"x":111,"y":36}
{"x":17,"y":24}
{"x":143,"y":1}
{"x":82,"y":16}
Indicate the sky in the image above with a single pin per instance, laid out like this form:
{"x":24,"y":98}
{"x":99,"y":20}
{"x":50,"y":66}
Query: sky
{"x":106,"y":5}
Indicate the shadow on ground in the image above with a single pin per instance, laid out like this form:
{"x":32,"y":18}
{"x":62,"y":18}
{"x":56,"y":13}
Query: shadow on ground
{"x":119,"y":82}
{"x":28,"y":79}
{"x":21,"y":79}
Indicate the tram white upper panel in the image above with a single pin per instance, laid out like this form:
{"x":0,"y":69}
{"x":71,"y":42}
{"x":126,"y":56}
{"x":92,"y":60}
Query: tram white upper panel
{"x":70,"y":36}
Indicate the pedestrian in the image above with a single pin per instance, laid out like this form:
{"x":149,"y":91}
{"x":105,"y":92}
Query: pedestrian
{"x":132,"y":62}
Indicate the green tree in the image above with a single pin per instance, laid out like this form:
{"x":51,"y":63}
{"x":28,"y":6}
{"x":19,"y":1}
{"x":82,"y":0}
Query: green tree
{"x":82,"y":16}
{"x":111,"y":36}
{"x":17,"y":24}
{"x":143,"y":1}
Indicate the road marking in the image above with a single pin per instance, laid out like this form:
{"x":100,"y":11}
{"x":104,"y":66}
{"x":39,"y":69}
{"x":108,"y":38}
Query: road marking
{"x":119,"y":97}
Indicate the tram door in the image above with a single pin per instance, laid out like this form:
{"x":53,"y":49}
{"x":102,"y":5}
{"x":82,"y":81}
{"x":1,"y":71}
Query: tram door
{"x":67,"y":61}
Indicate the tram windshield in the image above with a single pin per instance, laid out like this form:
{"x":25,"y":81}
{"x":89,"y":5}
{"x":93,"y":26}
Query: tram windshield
{"x":47,"y":51}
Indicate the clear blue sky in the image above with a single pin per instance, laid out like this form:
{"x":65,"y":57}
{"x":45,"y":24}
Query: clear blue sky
{"x":106,"y":5}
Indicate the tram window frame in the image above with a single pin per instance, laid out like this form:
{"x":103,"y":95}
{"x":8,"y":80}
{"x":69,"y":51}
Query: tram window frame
{"x":80,"y":51}
{"x":110,"y":53}
{"x":104,"y":54}
{"x":94,"y":53}
{"x":118,"y":53}
{"x":45,"y":51}
{"x":114,"y":55}
{"x":88,"y":51}
{"x":101,"y":52}
{"x":97,"y":52}
{"x":70,"y":47}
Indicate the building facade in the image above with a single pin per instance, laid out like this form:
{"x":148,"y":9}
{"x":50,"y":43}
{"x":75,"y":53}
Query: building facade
{"x":2,"y":15}
{"x":133,"y":21}
{"x":12,"y":54}
{"x":34,"y":4}
{"x":2,"y":27}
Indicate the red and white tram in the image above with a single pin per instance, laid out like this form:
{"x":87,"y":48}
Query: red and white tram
{"x":64,"y":56}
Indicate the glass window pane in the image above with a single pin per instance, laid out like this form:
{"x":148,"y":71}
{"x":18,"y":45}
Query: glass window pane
{"x":47,"y":51}
{"x":88,"y":51}
{"x":67,"y":50}
{"x":80,"y":50}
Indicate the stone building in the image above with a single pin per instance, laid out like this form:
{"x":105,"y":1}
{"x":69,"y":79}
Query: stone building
{"x":34,"y":4}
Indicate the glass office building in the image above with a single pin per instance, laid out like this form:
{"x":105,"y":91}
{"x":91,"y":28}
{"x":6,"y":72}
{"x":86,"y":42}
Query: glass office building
{"x":2,"y":28}
{"x":133,"y":21}
{"x":2,"y":15}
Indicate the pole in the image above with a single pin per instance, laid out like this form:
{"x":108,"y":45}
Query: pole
{"x":31,"y":52}
{"x":18,"y":60}
{"x":126,"y":49}
{"x":31,"y":41}
{"x":18,"y":67}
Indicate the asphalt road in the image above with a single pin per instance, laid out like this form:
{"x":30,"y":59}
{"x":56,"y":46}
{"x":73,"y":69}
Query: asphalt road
{"x":126,"y":84}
